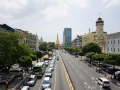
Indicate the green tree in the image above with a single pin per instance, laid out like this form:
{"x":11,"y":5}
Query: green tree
{"x":81,"y":54}
{"x":49,"y":49}
{"x":98,"y":57}
{"x":112,"y":59}
{"x":91,"y":47}
{"x":39,"y":54}
{"x":26,"y":61}
{"x":8,"y":45}
{"x":43,"y":46}
{"x":51,"y":45}
{"x":90,"y":55}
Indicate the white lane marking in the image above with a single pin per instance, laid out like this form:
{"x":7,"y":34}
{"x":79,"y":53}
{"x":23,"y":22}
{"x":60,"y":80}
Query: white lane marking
{"x":80,"y":76}
{"x":91,"y":75}
{"x":85,"y":71}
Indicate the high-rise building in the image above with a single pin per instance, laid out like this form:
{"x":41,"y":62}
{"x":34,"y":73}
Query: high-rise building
{"x":67,"y":37}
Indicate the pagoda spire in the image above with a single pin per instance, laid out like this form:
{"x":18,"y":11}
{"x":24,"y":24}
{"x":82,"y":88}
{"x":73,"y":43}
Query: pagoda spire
{"x":57,"y":44}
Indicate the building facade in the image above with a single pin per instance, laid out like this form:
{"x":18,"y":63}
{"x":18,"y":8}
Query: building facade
{"x":89,"y":37}
{"x":113,"y":43}
{"x":28,"y":38}
{"x":77,"y":42}
{"x":67,"y":37}
{"x":38,"y":42}
{"x":99,"y":36}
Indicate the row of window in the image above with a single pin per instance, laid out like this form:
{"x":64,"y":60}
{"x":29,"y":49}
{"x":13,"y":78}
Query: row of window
{"x":115,"y":49}
{"x":115,"y":42}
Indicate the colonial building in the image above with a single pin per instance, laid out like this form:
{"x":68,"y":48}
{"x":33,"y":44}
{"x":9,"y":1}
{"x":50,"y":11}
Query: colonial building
{"x":113,"y":43}
{"x":99,"y":36}
{"x":28,"y":38}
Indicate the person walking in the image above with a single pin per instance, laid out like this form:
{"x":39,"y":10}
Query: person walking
{"x":6,"y":83}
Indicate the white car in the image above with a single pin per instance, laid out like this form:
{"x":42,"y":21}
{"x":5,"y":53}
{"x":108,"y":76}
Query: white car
{"x":48,"y":73}
{"x":103,"y":82}
{"x":48,"y":89}
{"x":46,"y":83}
{"x":25,"y":88}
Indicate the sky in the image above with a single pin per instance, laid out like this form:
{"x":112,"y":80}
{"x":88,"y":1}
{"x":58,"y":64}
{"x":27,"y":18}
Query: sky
{"x":47,"y":18}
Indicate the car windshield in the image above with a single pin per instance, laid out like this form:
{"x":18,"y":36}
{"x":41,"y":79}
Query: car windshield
{"x":51,"y":66}
{"x":48,"y":71}
{"x":106,"y":82}
{"x":46,"y":82}
{"x":30,"y":79}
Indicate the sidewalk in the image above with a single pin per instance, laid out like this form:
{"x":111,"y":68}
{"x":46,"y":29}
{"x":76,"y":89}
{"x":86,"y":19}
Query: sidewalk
{"x":15,"y":81}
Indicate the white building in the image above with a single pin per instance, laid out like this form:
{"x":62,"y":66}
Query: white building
{"x":113,"y":43}
{"x":38,"y":42}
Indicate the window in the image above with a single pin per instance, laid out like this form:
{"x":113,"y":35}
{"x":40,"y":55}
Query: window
{"x":108,"y":48}
{"x":108,"y":42}
{"x":111,"y":49}
{"x":111,"y":41}
{"x":118,"y":49}
{"x":114,"y":49}
{"x":114,"y":41}
{"x":118,"y":41}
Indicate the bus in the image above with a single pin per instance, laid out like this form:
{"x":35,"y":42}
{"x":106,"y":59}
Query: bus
{"x":39,"y":69}
{"x":45,"y":57}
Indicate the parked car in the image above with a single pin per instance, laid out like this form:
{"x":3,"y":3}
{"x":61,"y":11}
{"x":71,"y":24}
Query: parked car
{"x":31,"y":80}
{"x":111,"y":70}
{"x":48,"y":73}
{"x":46,"y":83}
{"x":25,"y":88}
{"x":99,"y":70}
{"x":103,"y":81}
{"x":16,"y":71}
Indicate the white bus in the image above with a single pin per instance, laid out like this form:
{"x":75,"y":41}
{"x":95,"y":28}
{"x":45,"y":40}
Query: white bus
{"x":39,"y":69}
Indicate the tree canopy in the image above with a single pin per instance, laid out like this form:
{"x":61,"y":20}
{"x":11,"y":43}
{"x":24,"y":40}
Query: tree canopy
{"x":91,"y":47}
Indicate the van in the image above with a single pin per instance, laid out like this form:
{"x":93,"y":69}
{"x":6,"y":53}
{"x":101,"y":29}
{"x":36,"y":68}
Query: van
{"x":103,"y":82}
{"x":16,"y":72}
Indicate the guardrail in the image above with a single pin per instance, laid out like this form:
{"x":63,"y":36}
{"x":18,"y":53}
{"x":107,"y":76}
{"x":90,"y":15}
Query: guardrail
{"x":22,"y":82}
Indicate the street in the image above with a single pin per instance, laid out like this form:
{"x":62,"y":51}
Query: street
{"x":83,"y":76}
{"x":58,"y":80}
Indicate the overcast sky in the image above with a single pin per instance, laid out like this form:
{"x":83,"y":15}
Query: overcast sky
{"x":48,"y":18}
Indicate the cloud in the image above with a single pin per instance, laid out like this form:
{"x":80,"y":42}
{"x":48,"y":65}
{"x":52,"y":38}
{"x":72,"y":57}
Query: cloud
{"x":13,"y":4}
{"x":79,"y":3}
{"x":111,"y":3}
{"x":53,"y":12}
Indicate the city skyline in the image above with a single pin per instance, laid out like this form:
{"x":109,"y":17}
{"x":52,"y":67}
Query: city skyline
{"x":49,"y":18}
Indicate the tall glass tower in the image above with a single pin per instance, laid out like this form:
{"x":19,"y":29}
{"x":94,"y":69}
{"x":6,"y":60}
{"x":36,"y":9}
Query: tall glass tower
{"x":67,"y":37}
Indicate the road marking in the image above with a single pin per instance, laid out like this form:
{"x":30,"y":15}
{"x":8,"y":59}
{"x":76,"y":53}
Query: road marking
{"x":85,"y":71}
{"x":55,"y":79}
{"x":91,"y":75}
{"x":80,"y":76}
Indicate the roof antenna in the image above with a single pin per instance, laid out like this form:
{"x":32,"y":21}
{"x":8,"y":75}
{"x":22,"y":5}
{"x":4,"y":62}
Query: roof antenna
{"x":99,"y":15}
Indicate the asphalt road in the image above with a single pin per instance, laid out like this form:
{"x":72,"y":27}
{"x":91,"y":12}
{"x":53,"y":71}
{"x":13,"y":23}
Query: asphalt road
{"x":83,"y":77}
{"x":58,"y":80}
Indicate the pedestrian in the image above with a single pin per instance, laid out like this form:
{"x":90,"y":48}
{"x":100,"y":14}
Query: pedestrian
{"x":21,"y":75}
{"x":6,"y":83}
